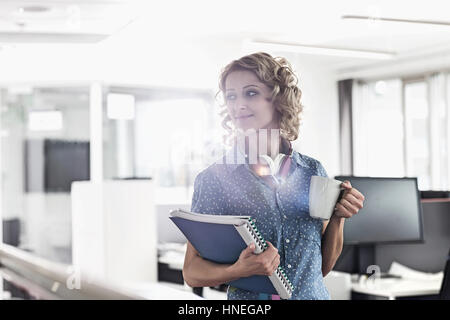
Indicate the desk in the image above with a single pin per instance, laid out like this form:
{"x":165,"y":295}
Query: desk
{"x":170,"y":269}
{"x":161,"y":291}
{"x":393,"y":289}
{"x":172,"y":273}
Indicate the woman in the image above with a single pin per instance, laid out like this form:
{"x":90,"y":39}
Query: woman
{"x":261,"y":94}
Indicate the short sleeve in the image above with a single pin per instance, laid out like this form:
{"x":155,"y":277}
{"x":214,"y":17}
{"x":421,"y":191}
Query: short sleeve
{"x":321,"y":170}
{"x":208,"y":197}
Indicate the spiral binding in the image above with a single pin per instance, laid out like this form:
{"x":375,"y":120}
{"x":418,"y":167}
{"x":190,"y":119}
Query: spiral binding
{"x":263,"y":244}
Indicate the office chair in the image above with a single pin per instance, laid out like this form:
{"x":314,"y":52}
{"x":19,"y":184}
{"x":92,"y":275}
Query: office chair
{"x":445,"y":287}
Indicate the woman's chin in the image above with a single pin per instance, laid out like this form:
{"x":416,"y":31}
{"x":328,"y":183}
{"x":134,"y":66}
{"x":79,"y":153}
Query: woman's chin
{"x":246,"y":129}
{"x":246,"y":125}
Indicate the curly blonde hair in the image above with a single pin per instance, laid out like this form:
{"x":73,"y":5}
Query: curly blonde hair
{"x":278,"y":75}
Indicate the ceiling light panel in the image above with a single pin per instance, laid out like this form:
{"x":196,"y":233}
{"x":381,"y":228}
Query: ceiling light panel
{"x":64,"y":17}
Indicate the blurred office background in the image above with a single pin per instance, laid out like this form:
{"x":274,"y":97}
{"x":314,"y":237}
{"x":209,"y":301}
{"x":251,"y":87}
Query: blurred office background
{"x":122,"y":94}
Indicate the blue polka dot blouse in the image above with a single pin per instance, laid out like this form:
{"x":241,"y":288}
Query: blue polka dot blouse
{"x":281,"y":214}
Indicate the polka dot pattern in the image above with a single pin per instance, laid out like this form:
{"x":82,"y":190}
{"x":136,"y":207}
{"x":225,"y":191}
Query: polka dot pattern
{"x":282,"y":217}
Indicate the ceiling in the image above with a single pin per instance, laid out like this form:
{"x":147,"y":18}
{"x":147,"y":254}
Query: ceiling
{"x":58,"y":21}
{"x":217,"y":28}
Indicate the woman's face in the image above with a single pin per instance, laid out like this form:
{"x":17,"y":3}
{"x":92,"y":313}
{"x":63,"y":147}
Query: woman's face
{"x":249,"y":101}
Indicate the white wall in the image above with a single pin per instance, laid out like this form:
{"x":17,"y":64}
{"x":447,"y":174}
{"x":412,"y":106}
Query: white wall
{"x":319,"y":129}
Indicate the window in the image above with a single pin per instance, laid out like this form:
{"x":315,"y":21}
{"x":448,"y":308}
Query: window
{"x":378,"y":129}
{"x":401,"y":128}
{"x":417,"y":128}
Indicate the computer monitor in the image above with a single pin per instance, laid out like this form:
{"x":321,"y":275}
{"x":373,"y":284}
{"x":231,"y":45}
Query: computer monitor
{"x":65,"y":162}
{"x":391,"y":212}
{"x":51,"y":165}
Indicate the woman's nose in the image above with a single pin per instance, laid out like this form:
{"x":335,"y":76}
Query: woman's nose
{"x":241,"y":104}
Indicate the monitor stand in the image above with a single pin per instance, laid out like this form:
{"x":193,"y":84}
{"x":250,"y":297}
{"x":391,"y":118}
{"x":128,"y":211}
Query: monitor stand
{"x":364,"y":257}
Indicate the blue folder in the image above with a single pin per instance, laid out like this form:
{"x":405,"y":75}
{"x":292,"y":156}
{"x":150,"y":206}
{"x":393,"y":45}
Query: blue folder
{"x":222,"y":243}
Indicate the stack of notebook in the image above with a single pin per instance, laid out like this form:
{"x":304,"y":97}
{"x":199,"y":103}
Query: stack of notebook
{"x":221,"y":239}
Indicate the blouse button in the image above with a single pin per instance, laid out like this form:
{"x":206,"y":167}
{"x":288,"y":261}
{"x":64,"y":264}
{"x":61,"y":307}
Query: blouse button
{"x":289,"y":266}
{"x":287,"y":240}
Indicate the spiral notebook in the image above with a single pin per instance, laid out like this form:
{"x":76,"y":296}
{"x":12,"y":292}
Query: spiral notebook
{"x":221,"y":239}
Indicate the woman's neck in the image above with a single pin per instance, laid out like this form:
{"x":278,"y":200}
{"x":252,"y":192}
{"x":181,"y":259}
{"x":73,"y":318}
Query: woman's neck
{"x":271,"y":146}
{"x":273,"y":137}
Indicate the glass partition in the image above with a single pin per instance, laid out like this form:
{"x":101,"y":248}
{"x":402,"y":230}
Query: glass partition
{"x":163,"y":134}
{"x":44,"y":147}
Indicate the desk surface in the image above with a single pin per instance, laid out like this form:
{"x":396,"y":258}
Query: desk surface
{"x":435,"y":200}
{"x":175,"y":260}
{"x":393,"y":288}
{"x":162,"y":291}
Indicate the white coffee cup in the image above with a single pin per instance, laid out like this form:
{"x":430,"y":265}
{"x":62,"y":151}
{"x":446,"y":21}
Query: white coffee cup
{"x":323,"y":196}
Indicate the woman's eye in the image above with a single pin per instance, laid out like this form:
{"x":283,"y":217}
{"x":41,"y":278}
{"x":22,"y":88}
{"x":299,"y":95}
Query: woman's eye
{"x":233,"y":96}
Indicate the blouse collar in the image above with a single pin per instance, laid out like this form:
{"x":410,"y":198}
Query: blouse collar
{"x":235,"y":158}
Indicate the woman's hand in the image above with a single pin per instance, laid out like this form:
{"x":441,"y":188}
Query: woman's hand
{"x":264,"y":263}
{"x":352,"y":201}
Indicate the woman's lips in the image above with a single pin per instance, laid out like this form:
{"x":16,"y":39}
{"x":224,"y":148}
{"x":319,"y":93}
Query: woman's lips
{"x":244,"y":117}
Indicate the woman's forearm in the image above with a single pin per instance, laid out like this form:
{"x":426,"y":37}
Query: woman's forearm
{"x":204,"y":273}
{"x":332,"y":242}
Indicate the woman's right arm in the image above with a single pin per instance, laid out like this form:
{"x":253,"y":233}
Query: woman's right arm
{"x":198,"y":272}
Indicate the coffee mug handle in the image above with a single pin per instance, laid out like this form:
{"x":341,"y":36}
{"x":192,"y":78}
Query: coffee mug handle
{"x":341,"y":194}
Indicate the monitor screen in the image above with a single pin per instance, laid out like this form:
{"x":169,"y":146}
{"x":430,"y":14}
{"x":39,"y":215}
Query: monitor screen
{"x":65,"y":162}
{"x":392,"y":211}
